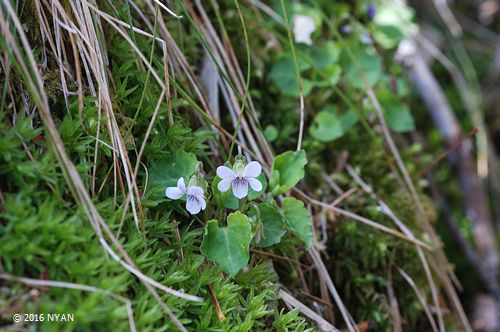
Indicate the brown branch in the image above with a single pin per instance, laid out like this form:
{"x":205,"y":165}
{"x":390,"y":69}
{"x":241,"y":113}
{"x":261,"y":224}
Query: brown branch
{"x":446,"y":153}
{"x":220,"y":314}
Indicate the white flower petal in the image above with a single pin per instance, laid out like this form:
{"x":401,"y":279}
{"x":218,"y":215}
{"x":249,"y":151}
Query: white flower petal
{"x":174,"y":193}
{"x":252,"y":170}
{"x":255,"y":184}
{"x":240,"y":187}
{"x":193,"y":205}
{"x":224,"y":184}
{"x":225,"y":172}
{"x":195,"y":191}
{"x":303,"y":27}
{"x":181,"y":185}
{"x":203,"y":203}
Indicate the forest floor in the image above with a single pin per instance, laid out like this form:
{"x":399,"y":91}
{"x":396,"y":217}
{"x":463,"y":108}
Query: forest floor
{"x":249,"y":166}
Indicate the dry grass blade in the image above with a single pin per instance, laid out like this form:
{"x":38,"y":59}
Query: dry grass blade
{"x":393,"y":305}
{"x":320,"y":267}
{"x":291,"y":301}
{"x":448,"y":18}
{"x":124,"y":24}
{"x":420,"y":297}
{"x":167,"y":9}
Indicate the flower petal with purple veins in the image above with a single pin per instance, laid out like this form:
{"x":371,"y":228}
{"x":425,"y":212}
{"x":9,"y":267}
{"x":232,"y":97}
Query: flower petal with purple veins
{"x":240,"y":187}
{"x":225,"y":173}
{"x":195,"y":191}
{"x":252,"y":170}
{"x":193,"y":205}
{"x":255,"y":184}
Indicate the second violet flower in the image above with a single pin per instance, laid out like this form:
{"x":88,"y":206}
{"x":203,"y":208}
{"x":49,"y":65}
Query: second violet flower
{"x":240,"y":177}
{"x":195,"y":202}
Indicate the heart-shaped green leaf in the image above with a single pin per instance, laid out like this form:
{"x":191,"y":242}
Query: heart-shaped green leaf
{"x":298,"y":219}
{"x":228,"y":246}
{"x":287,"y":170}
{"x":284,"y":76}
{"x":348,"y":119}
{"x":324,"y":55}
{"x":399,"y":117}
{"x":271,"y":133}
{"x":333,"y":73}
{"x":397,"y":113}
{"x":326,"y":127}
{"x":367,"y":61}
{"x":393,"y":23}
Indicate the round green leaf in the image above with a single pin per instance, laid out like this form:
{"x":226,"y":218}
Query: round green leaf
{"x":348,"y":119}
{"x":399,"y":117}
{"x":271,"y":133}
{"x":287,"y":170}
{"x":324,"y":55}
{"x":333,"y":73}
{"x":367,"y":61}
{"x":285,"y":78}
{"x":326,"y":127}
{"x":397,"y":114}
{"x":388,"y":36}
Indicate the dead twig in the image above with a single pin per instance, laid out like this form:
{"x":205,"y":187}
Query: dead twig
{"x":220,"y":314}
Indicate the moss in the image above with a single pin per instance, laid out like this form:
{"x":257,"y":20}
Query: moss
{"x":45,"y":234}
{"x":29,"y":18}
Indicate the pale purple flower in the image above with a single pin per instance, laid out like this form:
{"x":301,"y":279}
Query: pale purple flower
{"x":366,"y":38}
{"x":194,"y":196}
{"x":371,"y":11}
{"x":240,"y":179}
{"x":345,"y":29}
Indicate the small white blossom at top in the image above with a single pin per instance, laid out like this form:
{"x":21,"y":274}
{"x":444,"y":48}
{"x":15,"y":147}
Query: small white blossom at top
{"x":303,"y":27}
{"x":239,"y":179}
{"x":194,"y":200}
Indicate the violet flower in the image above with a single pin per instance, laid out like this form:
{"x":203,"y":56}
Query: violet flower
{"x":194,"y":196}
{"x":240,"y":177}
{"x":371,"y":11}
